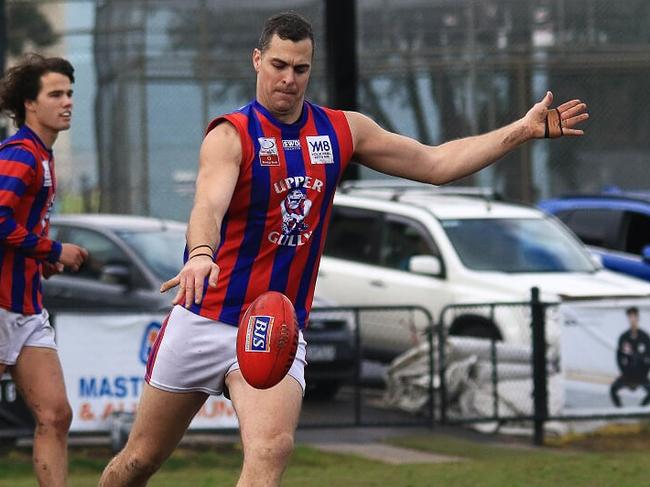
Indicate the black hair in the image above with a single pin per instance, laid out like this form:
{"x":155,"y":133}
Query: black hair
{"x":632,"y":310}
{"x":288,"y":26}
{"x":23,"y":82}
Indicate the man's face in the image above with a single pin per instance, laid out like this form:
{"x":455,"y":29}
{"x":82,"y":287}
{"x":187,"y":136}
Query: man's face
{"x":283,"y":71}
{"x":634,"y":320}
{"x":52,"y":109}
{"x":295,"y":197}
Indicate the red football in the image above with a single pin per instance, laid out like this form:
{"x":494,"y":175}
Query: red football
{"x":267,"y":340}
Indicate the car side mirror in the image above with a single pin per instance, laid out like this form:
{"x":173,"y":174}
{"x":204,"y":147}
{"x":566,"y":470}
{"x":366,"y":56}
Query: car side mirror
{"x":425,"y":264}
{"x":645,"y":253}
{"x":116,"y":274}
{"x":597,"y":260}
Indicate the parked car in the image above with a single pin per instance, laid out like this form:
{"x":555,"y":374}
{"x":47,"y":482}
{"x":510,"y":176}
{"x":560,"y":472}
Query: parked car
{"x":129,"y":258}
{"x":615,"y":225}
{"x":416,"y":245}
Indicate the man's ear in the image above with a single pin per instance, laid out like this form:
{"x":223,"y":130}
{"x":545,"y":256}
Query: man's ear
{"x":257,"y":59}
{"x":29,"y":105}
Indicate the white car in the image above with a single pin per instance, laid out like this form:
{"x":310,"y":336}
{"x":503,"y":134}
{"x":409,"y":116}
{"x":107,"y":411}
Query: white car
{"x":418,"y":245}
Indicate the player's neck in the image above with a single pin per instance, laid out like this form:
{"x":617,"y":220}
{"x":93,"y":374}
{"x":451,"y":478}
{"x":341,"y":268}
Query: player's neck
{"x":47,"y":136}
{"x":288,"y":117}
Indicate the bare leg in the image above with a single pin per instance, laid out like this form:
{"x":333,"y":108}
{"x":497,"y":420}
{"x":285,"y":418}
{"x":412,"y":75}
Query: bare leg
{"x":39,"y":379}
{"x":160,"y":422}
{"x":267,"y":423}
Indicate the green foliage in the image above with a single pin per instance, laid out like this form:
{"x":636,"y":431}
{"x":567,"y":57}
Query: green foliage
{"x":26,"y":24}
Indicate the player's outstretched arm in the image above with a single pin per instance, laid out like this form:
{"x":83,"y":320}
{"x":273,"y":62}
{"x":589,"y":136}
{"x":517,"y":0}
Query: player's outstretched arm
{"x":405,"y":157}
{"x":219,"y":163}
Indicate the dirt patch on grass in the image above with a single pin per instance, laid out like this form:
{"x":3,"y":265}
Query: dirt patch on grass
{"x":614,"y":437}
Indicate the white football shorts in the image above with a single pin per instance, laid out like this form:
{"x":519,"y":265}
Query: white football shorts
{"x":194,"y":353}
{"x":18,"y":331}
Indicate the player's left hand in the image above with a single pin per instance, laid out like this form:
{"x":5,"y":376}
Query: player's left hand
{"x":550,"y":123}
{"x":49,"y":269}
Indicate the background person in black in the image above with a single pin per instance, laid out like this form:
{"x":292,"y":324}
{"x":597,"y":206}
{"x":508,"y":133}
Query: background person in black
{"x":633,"y":358}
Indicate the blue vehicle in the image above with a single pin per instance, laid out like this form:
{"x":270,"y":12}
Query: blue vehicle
{"x":614,"y":224}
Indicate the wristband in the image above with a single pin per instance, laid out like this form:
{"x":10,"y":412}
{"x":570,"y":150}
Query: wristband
{"x":202,"y":253}
{"x":199,"y":246}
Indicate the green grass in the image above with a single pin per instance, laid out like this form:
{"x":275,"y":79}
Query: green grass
{"x":486,"y":465}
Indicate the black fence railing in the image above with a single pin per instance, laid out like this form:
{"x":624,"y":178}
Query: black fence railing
{"x":396,"y":366}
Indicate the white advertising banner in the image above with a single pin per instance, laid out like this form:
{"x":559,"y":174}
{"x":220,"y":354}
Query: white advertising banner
{"x":104,"y":357}
{"x":605,"y":356}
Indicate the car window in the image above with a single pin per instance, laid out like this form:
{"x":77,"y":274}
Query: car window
{"x":162,"y":250}
{"x":516,"y":245}
{"x":354,"y":235}
{"x":101,"y":251}
{"x":638,"y":232}
{"x":598,"y":227}
{"x":402,"y":240}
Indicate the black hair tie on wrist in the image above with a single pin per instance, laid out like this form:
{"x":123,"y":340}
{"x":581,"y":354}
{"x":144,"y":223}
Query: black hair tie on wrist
{"x":202,"y":253}
{"x":199,"y":246}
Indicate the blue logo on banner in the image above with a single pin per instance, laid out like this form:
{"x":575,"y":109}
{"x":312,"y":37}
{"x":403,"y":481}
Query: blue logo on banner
{"x":259,"y":330}
{"x":148,"y":339}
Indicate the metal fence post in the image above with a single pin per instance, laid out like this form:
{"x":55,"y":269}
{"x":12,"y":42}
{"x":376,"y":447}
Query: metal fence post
{"x":357,"y":369}
{"x":495,"y":373}
{"x":442,"y":368}
{"x":432,"y":418}
{"x":539,"y":366}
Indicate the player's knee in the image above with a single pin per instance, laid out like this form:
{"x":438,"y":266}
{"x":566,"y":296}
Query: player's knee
{"x":140,"y":465}
{"x":271,"y":450}
{"x":53,"y":418}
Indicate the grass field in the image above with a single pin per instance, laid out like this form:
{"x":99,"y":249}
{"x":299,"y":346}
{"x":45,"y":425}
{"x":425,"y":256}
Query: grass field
{"x":617,"y":460}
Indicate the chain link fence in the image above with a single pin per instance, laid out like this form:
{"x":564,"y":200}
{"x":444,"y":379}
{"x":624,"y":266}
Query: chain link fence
{"x":152,"y":73}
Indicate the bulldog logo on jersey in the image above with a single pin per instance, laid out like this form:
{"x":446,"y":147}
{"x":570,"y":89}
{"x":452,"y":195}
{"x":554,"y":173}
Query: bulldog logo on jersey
{"x":268,"y":151}
{"x":295,"y":209}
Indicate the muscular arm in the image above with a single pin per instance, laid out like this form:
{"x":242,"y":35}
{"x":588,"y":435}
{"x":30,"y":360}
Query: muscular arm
{"x":219,"y":163}
{"x":402,"y":156}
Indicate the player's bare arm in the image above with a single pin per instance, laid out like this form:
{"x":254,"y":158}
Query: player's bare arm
{"x":219,"y":162}
{"x":405,"y":157}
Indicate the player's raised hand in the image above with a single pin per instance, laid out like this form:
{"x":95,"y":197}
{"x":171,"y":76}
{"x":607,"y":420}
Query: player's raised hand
{"x":550,"y":123}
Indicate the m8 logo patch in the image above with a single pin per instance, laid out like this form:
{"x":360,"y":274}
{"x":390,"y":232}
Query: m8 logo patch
{"x":258,"y":334}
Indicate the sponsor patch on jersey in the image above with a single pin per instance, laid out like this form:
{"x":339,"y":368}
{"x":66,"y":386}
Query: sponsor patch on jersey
{"x":291,"y":144}
{"x":47,"y":175}
{"x":258,"y":333}
{"x":320,"y":149}
{"x":268,"y":151}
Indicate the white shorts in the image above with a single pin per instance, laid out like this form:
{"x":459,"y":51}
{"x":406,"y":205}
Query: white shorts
{"x":18,"y":331}
{"x":194,"y":353}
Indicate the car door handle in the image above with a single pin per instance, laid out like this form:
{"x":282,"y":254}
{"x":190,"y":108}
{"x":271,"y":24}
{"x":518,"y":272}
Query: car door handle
{"x":377,"y":283}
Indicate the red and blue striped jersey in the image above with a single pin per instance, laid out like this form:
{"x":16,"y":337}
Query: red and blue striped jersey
{"x":273,"y":232}
{"x":27,"y":187}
